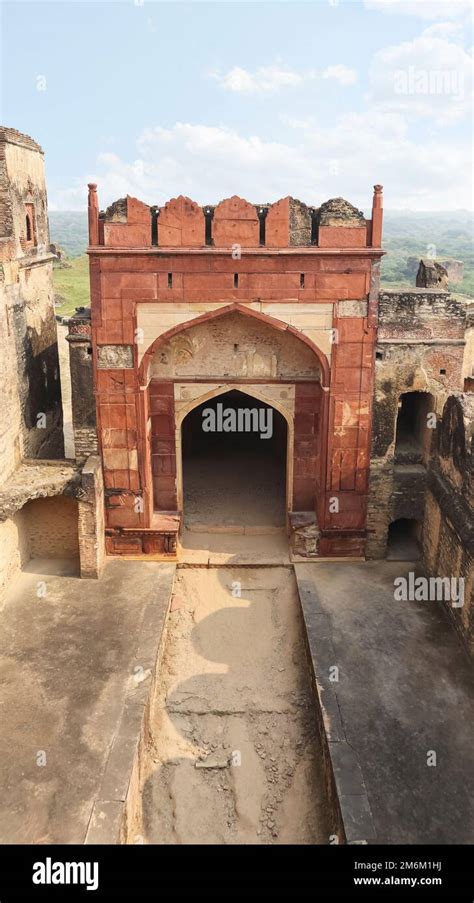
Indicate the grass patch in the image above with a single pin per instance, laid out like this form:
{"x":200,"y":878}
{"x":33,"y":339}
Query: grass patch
{"x":71,"y":286}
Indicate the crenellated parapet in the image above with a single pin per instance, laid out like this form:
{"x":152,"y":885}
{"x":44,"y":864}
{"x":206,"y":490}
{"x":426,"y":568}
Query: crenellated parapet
{"x":182,"y":223}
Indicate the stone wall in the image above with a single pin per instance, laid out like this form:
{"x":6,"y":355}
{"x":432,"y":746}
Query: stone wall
{"x":91,"y":519}
{"x":420,"y":348}
{"x":42,"y":528}
{"x":14,"y":551}
{"x":468,"y":365}
{"x":82,"y":385}
{"x":51,"y":527}
{"x":11,"y":381}
{"x":52,"y":509}
{"x":32,"y":421}
{"x":48,"y":508}
{"x":448,"y":529}
{"x":31,"y":315}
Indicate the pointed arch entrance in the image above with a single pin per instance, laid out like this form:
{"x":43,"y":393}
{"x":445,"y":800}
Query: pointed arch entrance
{"x":227,"y":352}
{"x":235,"y":458}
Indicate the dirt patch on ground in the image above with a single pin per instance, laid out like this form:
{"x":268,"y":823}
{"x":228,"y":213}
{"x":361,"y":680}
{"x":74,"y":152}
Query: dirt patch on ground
{"x":234,"y":756}
{"x":228,"y":488}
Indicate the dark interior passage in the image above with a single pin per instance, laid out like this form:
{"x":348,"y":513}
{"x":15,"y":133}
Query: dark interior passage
{"x":404,"y":540}
{"x":413,"y":436}
{"x":234,"y":463}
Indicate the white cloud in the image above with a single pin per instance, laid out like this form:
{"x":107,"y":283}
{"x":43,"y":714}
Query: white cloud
{"x":446,"y":30}
{"x":210,"y":163}
{"x":269,"y":79}
{"x":266,"y":79}
{"x":294,"y":123}
{"x":429,"y":76}
{"x":341,"y":73}
{"x":424,"y":9}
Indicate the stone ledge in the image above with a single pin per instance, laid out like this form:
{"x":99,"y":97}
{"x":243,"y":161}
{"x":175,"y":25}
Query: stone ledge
{"x":402,"y":292}
{"x":348,"y":795}
{"x":109,"y":812}
{"x":35,"y":479}
{"x":13,"y":136}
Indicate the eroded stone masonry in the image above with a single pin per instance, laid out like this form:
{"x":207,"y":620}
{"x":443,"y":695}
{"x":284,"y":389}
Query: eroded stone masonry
{"x":47,"y":505}
{"x":278,"y":302}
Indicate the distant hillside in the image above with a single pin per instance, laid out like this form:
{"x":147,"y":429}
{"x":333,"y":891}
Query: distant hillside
{"x":71,"y":286}
{"x":405,"y":235}
{"x":68,"y":229}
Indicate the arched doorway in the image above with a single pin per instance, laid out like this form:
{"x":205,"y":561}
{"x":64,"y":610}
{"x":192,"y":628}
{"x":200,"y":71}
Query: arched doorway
{"x":232,"y":350}
{"x":234,"y":463}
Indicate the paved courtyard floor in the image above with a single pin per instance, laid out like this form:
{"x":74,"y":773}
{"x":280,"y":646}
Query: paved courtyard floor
{"x":67,"y":664}
{"x":402,"y":706}
{"x":398,"y":718}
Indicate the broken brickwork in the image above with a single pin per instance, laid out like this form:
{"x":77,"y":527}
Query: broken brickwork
{"x":421,"y":341}
{"x":82,"y":384}
{"x":40,"y":492}
{"x":32,"y":422}
{"x":448,"y":530}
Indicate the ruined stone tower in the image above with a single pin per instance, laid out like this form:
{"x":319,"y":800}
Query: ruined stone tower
{"x":32,"y":425}
{"x":47,"y":505}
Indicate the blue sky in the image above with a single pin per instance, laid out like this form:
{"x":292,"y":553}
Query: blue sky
{"x":264,"y":99}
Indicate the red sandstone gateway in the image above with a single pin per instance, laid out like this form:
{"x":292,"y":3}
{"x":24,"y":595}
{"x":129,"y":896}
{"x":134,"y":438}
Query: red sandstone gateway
{"x":278,"y":302}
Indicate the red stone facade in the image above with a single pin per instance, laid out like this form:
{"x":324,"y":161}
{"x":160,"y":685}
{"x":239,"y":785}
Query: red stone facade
{"x":189,"y":265}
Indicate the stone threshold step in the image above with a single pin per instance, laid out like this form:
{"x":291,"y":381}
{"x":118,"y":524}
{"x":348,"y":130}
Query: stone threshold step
{"x":236,"y":529}
{"x":256,"y":565}
{"x":224,"y":559}
{"x":298,"y":559}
